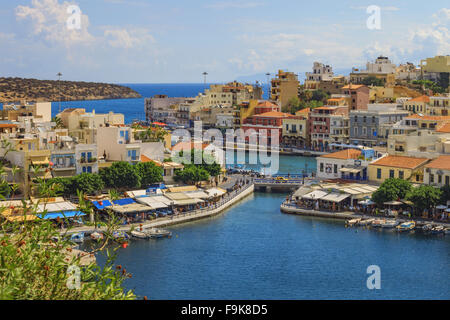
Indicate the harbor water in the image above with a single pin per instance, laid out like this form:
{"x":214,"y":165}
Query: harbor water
{"x":253,"y":251}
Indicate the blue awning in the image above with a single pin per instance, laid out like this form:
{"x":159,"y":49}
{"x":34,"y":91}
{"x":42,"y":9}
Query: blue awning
{"x":104,"y":204}
{"x":123,"y":202}
{"x":61,"y":215}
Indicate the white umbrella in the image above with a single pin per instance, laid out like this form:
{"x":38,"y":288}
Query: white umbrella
{"x":441,"y":207}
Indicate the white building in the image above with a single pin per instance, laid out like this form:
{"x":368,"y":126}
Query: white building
{"x":381,"y":65}
{"x":321,"y":72}
{"x":437,"y":172}
{"x":116,"y":143}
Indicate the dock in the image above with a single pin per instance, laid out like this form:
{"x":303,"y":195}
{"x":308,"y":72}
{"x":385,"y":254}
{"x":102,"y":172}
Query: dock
{"x":229,"y":200}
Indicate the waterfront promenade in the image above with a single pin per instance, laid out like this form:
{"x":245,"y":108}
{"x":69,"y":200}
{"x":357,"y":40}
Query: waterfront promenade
{"x":290,"y":208}
{"x":228,"y":200}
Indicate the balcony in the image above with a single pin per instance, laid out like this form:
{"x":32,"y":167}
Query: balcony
{"x":319,"y":123}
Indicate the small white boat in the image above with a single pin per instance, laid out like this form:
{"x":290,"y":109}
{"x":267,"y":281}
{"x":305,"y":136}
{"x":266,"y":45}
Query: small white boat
{"x":353,"y":222}
{"x":366,"y":222}
{"x":428,"y":227}
{"x":140,"y":234}
{"x":96,"y":236}
{"x":378,"y":223}
{"x":389,"y":224}
{"x":158,"y":233}
{"x":77,"y":237}
{"x":406,"y":226}
{"x":437,"y":230}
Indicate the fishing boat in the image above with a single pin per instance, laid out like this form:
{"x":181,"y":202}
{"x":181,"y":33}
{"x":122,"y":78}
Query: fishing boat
{"x":437,"y":230}
{"x":389,"y":224}
{"x":353,"y":222}
{"x":140,"y":234}
{"x":96,"y":236}
{"x":378,"y":223}
{"x":427,"y":228}
{"x":158,"y":233}
{"x":120,"y":236}
{"x":77,"y":237}
{"x":366,"y":222}
{"x":406,"y":226}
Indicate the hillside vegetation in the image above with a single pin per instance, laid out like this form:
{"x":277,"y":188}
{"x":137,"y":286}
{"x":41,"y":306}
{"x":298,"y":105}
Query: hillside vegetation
{"x":17,"y":89}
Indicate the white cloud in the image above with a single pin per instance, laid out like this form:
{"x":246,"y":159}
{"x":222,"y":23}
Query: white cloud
{"x":123,"y":38}
{"x":234,"y":4}
{"x":48,"y":19}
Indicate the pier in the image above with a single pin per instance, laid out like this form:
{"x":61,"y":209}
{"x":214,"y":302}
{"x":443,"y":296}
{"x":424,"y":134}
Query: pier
{"x":228,"y":200}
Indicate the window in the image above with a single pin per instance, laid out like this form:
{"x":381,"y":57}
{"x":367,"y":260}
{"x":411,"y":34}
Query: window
{"x":447,"y":180}
{"x":391,"y":173}
{"x":401,"y":174}
{"x":439,"y":178}
{"x":84,"y":170}
{"x":89,"y":169}
{"x":335,"y":168}
{"x":378,"y":173}
{"x":321,"y":167}
{"x":431,"y":178}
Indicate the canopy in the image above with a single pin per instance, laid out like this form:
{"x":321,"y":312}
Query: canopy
{"x":301,"y":192}
{"x":176,"y":196}
{"x":153,"y":202}
{"x":186,"y":202}
{"x":215,"y":192}
{"x":123,"y":202}
{"x":61,"y":215}
{"x":136,"y":193}
{"x":132,"y":208}
{"x":197,"y":194}
{"x":56,"y":207}
{"x":367,"y":202}
{"x":315,"y":195}
{"x":441,"y":207}
{"x":393,"y":203}
{"x":336,"y":197}
{"x":100,"y":205}
{"x":351,"y":169}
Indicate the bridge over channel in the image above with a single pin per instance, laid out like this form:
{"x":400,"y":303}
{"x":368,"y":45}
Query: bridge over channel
{"x":280,"y":183}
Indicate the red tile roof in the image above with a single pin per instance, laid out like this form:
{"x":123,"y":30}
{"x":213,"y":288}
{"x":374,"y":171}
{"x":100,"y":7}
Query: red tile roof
{"x":400,"y":162}
{"x":274,"y":114}
{"x":432,"y":118}
{"x":180,"y":146}
{"x":420,"y":99}
{"x":344,"y":154}
{"x":441,"y":162}
{"x":445,"y":128}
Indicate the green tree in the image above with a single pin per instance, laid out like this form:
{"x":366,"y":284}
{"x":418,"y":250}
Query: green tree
{"x":149,"y":173}
{"x":373,"y":81}
{"x":208,"y":163}
{"x":319,"y":95}
{"x":120,"y":175}
{"x":293,"y":105}
{"x":424,"y":197}
{"x":191,"y":174}
{"x":67,"y":186}
{"x":89,"y":183}
{"x":391,"y":189}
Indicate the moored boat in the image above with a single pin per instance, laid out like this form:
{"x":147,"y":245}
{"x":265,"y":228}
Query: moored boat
{"x":438,"y":230}
{"x":353,"y":222}
{"x":366,"y":222}
{"x":389,"y":224}
{"x":140,"y":234}
{"x":96,"y":236}
{"x":158,"y":233}
{"x":120,"y":236}
{"x":406,"y":226}
{"x":77,"y":237}
{"x":427,"y":228}
{"x":377,"y":223}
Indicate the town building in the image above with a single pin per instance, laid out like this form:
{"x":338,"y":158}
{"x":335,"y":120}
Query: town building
{"x":438,"y":106}
{"x":41,"y":111}
{"x":371,"y":127}
{"x":347,"y":164}
{"x":320,"y":126}
{"x":382,"y":69}
{"x":285,"y":86}
{"x":320,"y":72}
{"x":359,"y":96}
{"x":437,"y":172}
{"x":117,"y":143}
{"x":402,"y":167}
{"x":436,"y":69}
{"x":295,"y":132}
{"x":417,"y":105}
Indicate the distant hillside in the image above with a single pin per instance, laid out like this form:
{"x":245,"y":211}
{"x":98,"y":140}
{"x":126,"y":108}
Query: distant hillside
{"x":17,"y":89}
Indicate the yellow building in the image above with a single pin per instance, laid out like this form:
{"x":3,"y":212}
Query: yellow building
{"x":428,"y":122}
{"x":295,"y":132}
{"x":284,"y":87}
{"x":402,"y":167}
{"x":417,"y":105}
{"x":381,"y":94}
{"x":358,"y":77}
{"x":437,"y":64}
{"x":439,"y":106}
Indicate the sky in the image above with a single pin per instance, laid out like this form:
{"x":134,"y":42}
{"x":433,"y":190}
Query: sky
{"x":169,"y":41}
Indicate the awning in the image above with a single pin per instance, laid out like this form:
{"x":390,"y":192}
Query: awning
{"x":153,"y":202}
{"x":132,"y":208}
{"x":301,"y":192}
{"x":100,"y":205}
{"x":61,"y":215}
{"x":197,"y":194}
{"x":351,"y":169}
{"x":315,"y":195}
{"x":56,"y":207}
{"x":216,"y":192}
{"x":393,"y":203}
{"x":136,"y":193}
{"x":187,"y":202}
{"x":335,"y":197}
{"x":176,"y":196}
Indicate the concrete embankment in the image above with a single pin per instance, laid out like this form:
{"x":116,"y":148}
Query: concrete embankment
{"x":314,"y":213}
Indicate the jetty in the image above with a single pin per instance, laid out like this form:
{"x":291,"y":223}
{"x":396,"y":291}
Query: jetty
{"x":229,"y":199}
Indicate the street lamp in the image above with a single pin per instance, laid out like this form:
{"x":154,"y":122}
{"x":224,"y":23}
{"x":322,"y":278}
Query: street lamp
{"x":59,"y":75}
